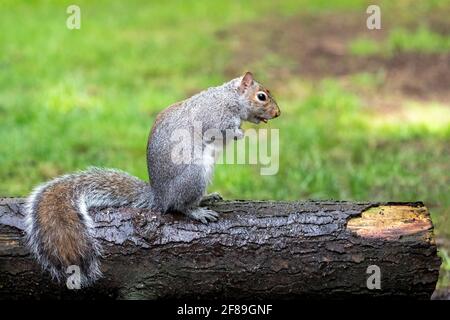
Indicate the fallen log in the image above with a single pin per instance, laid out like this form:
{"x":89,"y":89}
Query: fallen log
{"x":258,"y":249}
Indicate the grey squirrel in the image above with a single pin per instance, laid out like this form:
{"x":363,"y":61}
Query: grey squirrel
{"x":59,"y":229}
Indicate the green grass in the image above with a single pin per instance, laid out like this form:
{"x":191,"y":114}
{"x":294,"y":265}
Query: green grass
{"x":71,"y":99}
{"x":445,"y":268}
{"x":400,"y":39}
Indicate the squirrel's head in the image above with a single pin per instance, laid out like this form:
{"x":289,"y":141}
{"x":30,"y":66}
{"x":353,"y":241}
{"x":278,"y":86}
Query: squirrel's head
{"x":258,"y":101}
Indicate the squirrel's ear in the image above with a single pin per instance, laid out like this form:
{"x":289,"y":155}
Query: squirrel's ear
{"x":247,"y":81}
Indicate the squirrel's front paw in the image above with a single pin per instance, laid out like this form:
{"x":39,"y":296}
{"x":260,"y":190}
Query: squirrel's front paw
{"x":203,"y":215}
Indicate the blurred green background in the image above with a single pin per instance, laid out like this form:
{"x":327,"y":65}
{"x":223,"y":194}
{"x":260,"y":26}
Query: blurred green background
{"x":365,"y":113}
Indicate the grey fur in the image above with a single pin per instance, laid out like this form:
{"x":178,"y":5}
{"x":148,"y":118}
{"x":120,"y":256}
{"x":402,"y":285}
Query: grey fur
{"x":174,"y":186}
{"x":92,"y":188}
{"x":181,"y":186}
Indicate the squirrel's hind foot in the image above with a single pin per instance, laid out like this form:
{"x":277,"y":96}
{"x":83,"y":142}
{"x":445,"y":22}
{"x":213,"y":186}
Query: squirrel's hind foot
{"x":203,"y":215}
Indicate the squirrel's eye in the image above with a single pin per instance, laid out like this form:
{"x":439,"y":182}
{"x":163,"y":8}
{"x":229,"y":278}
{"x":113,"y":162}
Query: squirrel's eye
{"x":262,"y":96}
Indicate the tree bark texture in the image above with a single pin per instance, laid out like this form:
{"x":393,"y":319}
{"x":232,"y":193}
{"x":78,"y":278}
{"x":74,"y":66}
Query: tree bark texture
{"x":258,"y":249}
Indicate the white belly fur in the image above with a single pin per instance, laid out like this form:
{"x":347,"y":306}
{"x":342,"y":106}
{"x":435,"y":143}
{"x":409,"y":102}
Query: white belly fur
{"x":208,"y":160}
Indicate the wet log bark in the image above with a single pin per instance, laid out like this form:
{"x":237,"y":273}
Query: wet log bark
{"x":258,"y":249}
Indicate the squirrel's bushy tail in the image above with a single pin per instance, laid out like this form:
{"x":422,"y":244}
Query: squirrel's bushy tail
{"x":60,"y":231}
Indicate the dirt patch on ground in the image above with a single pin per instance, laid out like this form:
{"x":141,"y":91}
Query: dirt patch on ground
{"x":316,"y":47}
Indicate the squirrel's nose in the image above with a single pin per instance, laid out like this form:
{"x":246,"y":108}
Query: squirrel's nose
{"x":276,"y":112}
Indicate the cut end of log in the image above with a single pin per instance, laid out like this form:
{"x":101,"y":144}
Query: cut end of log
{"x":392,"y":222}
